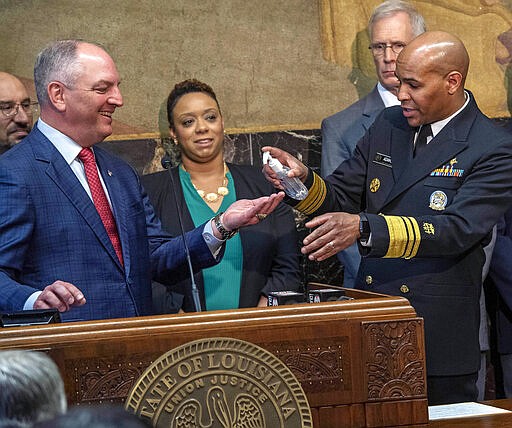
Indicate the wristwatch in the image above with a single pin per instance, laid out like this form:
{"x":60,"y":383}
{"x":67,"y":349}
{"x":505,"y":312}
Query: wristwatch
{"x":226,"y":234}
{"x":364,"y":229}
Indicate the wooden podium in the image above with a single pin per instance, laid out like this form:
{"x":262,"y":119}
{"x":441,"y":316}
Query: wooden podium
{"x":361,"y":362}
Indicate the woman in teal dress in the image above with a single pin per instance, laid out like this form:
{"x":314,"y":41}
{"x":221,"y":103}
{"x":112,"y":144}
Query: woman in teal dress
{"x":257,"y":260}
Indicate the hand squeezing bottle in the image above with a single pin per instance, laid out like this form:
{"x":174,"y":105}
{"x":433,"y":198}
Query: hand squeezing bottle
{"x":293,"y":187}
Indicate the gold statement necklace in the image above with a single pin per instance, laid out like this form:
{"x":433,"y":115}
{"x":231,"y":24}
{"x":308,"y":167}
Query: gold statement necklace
{"x":213,"y":197}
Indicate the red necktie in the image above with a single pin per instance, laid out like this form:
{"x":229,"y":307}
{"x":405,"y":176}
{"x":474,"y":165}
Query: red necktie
{"x":100,"y":199}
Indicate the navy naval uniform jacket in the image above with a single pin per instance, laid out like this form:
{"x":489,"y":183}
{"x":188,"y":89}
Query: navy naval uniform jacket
{"x":429,"y":218}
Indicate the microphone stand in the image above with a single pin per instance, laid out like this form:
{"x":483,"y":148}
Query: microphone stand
{"x":166,"y":163}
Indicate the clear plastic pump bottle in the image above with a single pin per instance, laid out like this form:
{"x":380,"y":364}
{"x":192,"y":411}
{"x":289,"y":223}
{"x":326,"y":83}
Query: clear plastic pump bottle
{"x":293,"y":187}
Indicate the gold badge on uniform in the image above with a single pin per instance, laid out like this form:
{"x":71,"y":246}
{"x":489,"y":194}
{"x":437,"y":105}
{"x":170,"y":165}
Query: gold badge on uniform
{"x":453,"y":161}
{"x":374,"y":185}
{"x":438,"y":200}
{"x":428,"y":228}
{"x":404,"y":289}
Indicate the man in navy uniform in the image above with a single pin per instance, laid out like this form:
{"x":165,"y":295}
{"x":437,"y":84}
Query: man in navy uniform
{"x":421,"y":194}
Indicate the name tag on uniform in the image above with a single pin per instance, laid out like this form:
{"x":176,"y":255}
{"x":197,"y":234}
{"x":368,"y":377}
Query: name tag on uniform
{"x":382,"y":159}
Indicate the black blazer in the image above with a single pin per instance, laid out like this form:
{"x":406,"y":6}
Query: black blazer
{"x":270,"y":248}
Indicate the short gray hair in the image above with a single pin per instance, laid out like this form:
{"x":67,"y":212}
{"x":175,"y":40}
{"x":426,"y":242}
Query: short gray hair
{"x":392,"y":7}
{"x":57,"y":61}
{"x":31,"y":387}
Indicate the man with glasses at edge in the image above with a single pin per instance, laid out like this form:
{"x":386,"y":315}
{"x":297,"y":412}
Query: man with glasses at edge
{"x":392,"y":25}
{"x":16,"y":111}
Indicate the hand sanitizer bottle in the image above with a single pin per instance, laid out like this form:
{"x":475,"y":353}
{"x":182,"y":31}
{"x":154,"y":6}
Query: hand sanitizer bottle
{"x":293,"y":187}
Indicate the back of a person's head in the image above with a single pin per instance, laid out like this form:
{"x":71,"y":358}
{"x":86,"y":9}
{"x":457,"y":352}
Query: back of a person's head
{"x":31,"y":388}
{"x":100,"y":416}
{"x":8,"y":423}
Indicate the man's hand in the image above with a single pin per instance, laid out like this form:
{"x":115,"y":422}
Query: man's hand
{"x":59,"y":295}
{"x":297,"y":168}
{"x":246,"y":212}
{"x":334,"y":232}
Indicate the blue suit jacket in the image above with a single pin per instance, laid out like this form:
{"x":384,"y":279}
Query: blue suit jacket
{"x":340,"y":134}
{"x":50,"y":230}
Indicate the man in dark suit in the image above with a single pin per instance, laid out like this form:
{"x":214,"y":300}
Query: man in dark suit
{"x":421,"y":206}
{"x":501,"y":275}
{"x":392,"y":25}
{"x":77,"y":231}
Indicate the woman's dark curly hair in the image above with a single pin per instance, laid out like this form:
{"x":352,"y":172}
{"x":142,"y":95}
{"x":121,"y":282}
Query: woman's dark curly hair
{"x":186,"y":87}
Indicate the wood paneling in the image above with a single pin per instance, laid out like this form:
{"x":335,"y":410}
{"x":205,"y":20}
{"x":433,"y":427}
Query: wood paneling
{"x":360,"y":362}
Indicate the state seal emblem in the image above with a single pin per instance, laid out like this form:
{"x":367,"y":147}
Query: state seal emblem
{"x":220,"y":383}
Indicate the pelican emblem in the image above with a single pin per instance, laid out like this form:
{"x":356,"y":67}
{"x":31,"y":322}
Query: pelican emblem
{"x":246,"y":412}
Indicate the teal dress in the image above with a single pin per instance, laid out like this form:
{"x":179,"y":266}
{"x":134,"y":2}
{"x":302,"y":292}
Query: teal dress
{"x":222,"y":281}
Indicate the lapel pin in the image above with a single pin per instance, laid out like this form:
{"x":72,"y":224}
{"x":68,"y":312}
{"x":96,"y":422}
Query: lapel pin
{"x":109,"y":173}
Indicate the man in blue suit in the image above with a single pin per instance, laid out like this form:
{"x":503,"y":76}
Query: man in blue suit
{"x":60,"y":247}
{"x":392,"y":25}
{"x":421,"y":206}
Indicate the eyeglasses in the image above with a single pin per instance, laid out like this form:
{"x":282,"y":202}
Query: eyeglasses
{"x":12,"y":109}
{"x":378,"y":49}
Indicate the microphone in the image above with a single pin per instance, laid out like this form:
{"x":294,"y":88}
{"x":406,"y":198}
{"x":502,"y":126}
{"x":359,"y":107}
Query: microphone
{"x":166,"y":164}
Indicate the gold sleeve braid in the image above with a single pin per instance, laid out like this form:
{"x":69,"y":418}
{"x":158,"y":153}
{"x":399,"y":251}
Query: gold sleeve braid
{"x":315,"y":198}
{"x":404,"y":237}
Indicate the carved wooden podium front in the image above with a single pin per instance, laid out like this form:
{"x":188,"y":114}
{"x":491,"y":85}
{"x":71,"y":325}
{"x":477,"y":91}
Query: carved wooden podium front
{"x":360,"y":362}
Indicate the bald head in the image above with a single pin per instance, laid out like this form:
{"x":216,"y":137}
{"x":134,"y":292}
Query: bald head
{"x":432,"y":70}
{"x":6,"y":77}
{"x":13,"y":127}
{"x":442,"y":52}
